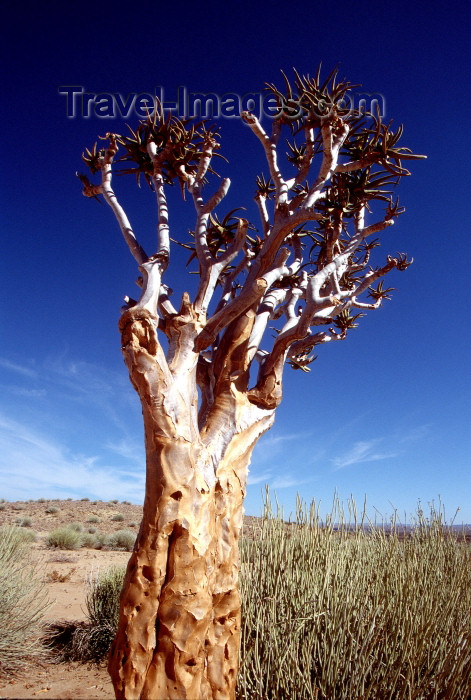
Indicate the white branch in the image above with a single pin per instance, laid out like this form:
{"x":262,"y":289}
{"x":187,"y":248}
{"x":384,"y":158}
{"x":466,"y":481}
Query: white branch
{"x":379,"y":226}
{"x":152,"y":274}
{"x":163,"y":231}
{"x":217,"y":197}
{"x":262,"y":207}
{"x":362,"y":305}
{"x":210,"y":273}
{"x":331,"y":146}
{"x":269,"y":146}
{"x":110,"y":198}
{"x":264,"y":313}
{"x":307,"y":159}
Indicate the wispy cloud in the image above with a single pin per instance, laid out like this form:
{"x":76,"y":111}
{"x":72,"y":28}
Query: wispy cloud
{"x":414,"y":434}
{"x":24,"y":391}
{"x":33,"y":464}
{"x":131,"y":450}
{"x":287,"y":481}
{"x":19,"y":369}
{"x":362,"y":451}
{"x":259,"y":478}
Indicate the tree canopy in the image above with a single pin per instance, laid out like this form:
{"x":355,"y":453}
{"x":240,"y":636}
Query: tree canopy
{"x":306,"y":268}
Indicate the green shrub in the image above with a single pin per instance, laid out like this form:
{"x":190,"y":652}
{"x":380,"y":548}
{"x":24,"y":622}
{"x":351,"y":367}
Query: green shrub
{"x":3,"y":506}
{"x":102,"y":540}
{"x":91,"y":641}
{"x":102,"y":599}
{"x":102,"y":603}
{"x":85,"y":499}
{"x":26,"y":522}
{"x":93,"y":519}
{"x":123,"y":539}
{"x":89,"y":540}
{"x":22,"y":601}
{"x":114,"y":501}
{"x":41,"y":500}
{"x":91,"y":530}
{"x":78,"y":527}
{"x":51,"y":510}
{"x":118,"y":517}
{"x":64,"y":538}
{"x":333,"y":611}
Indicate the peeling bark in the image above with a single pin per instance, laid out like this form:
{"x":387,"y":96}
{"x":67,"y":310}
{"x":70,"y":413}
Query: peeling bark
{"x":179,"y":628}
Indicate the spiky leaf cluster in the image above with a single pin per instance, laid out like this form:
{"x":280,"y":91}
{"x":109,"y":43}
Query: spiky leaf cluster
{"x":310,"y":100}
{"x":179,"y":142}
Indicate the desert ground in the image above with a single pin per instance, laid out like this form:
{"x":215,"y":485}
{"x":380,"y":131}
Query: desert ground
{"x":67,"y":681}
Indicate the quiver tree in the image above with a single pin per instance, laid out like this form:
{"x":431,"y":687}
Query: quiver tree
{"x":267,"y":297}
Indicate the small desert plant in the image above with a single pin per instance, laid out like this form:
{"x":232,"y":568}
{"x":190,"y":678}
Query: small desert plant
{"x":85,"y":499}
{"x":89,"y":540}
{"x":64,"y":538}
{"x":22,"y":601}
{"x":91,"y":530}
{"x":26,"y":522}
{"x":101,"y":540}
{"x":103,"y":612}
{"x":18,"y":506}
{"x":56,"y":577}
{"x":345,"y":609}
{"x":114,"y":501}
{"x":51,"y":510}
{"x":93,"y":519}
{"x":91,"y":641}
{"x":3,"y":506}
{"x":61,"y":557}
{"x":122,"y":539}
{"x":118,"y":517}
{"x":78,"y":527}
{"x":41,"y":500}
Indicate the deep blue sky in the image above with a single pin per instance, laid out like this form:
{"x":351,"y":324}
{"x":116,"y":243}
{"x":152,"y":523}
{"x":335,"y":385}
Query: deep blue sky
{"x":385,"y":413}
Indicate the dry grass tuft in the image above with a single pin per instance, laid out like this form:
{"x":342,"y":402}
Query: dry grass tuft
{"x":22,"y":601}
{"x":333,"y":611}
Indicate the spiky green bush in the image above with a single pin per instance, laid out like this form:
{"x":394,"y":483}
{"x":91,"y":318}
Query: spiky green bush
{"x":103,"y":591}
{"x":52,"y":510}
{"x":91,"y":640}
{"x":89,"y":539}
{"x":122,"y":539}
{"x":64,"y":538}
{"x":22,"y":600}
{"x":102,"y":601}
{"x":118,"y":517}
{"x":336,"y":612}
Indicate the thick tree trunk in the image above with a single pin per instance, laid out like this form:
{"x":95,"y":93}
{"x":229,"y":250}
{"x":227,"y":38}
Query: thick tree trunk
{"x":179,"y":628}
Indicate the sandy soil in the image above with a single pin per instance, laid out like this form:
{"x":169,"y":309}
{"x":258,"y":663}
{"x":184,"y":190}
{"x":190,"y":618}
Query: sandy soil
{"x":71,"y":680}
